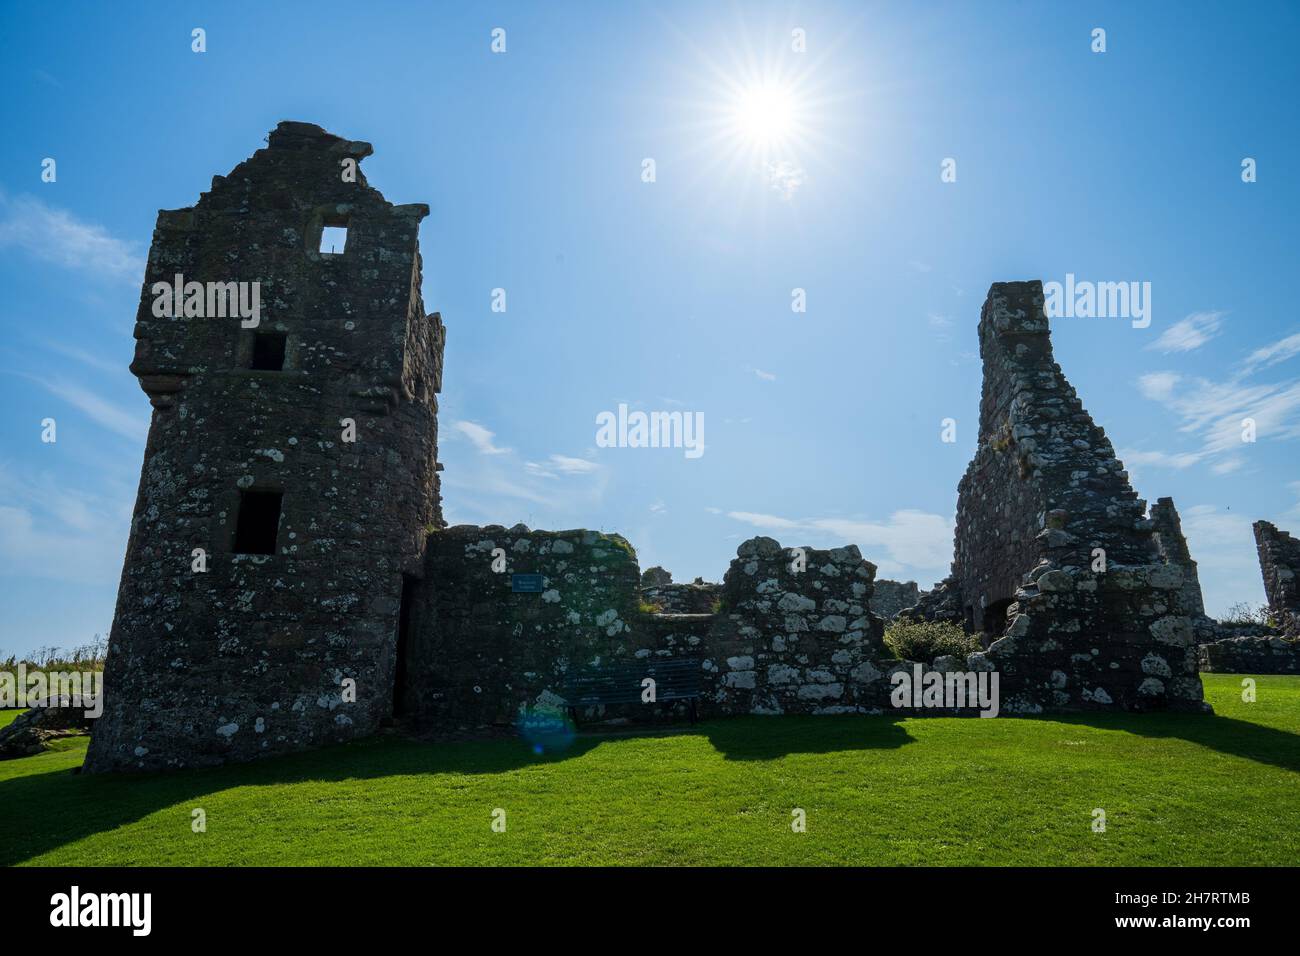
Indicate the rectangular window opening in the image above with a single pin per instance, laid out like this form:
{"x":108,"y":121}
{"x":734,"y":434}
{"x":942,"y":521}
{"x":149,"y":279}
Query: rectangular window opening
{"x":258,"y":524}
{"x":268,"y":351}
{"x":333,"y":239}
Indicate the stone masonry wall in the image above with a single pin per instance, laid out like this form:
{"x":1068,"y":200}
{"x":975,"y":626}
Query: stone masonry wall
{"x":1251,"y":654}
{"x":257,"y":653}
{"x":698,"y":598}
{"x":795,"y":642}
{"x":890,"y":597}
{"x":1279,"y":562}
{"x":1054,"y":557}
{"x":478,"y":654}
{"x":1173,"y":550}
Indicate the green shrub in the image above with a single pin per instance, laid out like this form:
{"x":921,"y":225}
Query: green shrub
{"x":1243,"y":613}
{"x":926,"y":640}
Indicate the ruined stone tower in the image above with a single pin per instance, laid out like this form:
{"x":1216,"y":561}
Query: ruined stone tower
{"x":1055,"y":560}
{"x":290,"y":475}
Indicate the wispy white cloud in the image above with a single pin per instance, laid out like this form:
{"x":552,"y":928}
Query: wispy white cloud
{"x":494,"y":486}
{"x":1189,"y":334}
{"x":771,"y":522}
{"x":1272,"y":354}
{"x":573,"y":466}
{"x":128,"y":424}
{"x":561,"y":465}
{"x":1217,"y":413}
{"x":55,"y":235}
{"x":765,"y":376}
{"x":1227,"y":466}
{"x":479,"y":437}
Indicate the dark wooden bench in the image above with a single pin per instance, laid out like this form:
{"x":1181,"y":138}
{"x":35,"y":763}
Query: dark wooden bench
{"x":619,"y":682}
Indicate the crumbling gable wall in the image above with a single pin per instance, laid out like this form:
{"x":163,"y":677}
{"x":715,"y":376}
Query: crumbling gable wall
{"x":244,"y":654}
{"x":1168,"y":528}
{"x":1279,"y":562}
{"x":1053,"y":553}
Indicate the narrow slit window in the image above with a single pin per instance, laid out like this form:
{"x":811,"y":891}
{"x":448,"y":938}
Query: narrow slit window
{"x":333,"y":239}
{"x":259,"y":522}
{"x":268,"y":351}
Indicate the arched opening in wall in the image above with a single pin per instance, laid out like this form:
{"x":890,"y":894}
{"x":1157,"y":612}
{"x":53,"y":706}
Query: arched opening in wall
{"x":995,"y":618}
{"x":400,"y":704}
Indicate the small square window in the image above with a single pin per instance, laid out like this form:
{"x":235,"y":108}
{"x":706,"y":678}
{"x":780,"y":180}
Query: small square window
{"x":333,"y":239}
{"x":268,"y":351}
{"x":258,"y":524}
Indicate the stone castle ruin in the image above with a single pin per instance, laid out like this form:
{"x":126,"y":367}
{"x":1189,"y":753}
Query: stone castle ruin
{"x":289,"y":580}
{"x":270,"y":557}
{"x":1055,"y":560}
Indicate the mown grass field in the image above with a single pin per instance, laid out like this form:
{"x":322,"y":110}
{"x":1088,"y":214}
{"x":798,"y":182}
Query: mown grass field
{"x":1177,"y":790}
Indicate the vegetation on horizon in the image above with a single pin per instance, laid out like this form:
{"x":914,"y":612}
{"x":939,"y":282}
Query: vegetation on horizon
{"x":83,"y":657}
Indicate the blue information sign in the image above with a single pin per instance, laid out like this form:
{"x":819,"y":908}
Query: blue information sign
{"x":526,"y":583}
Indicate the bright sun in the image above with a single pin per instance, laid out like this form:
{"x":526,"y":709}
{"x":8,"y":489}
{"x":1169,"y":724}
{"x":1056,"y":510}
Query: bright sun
{"x":764,"y":113}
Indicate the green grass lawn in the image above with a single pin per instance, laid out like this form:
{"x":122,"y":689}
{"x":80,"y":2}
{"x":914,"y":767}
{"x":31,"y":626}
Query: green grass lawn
{"x":8,"y":717}
{"x":1176,"y":789}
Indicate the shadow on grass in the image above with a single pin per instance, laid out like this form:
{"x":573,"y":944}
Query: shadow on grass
{"x":1227,"y":735}
{"x":767,"y":738}
{"x":47,"y":809}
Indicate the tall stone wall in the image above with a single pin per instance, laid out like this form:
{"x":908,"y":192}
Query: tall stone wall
{"x":218,"y":655}
{"x":1054,"y":557}
{"x":1172,"y":546}
{"x":479,"y":653}
{"x":1279,"y":562}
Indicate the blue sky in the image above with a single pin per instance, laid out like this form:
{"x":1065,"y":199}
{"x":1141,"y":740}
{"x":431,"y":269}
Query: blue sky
{"x":822,"y":427}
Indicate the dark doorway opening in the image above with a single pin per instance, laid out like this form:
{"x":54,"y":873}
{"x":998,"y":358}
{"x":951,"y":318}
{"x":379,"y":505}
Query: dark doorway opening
{"x":995,"y":617}
{"x":258,"y":524}
{"x":268,"y":351}
{"x":400,"y":705}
